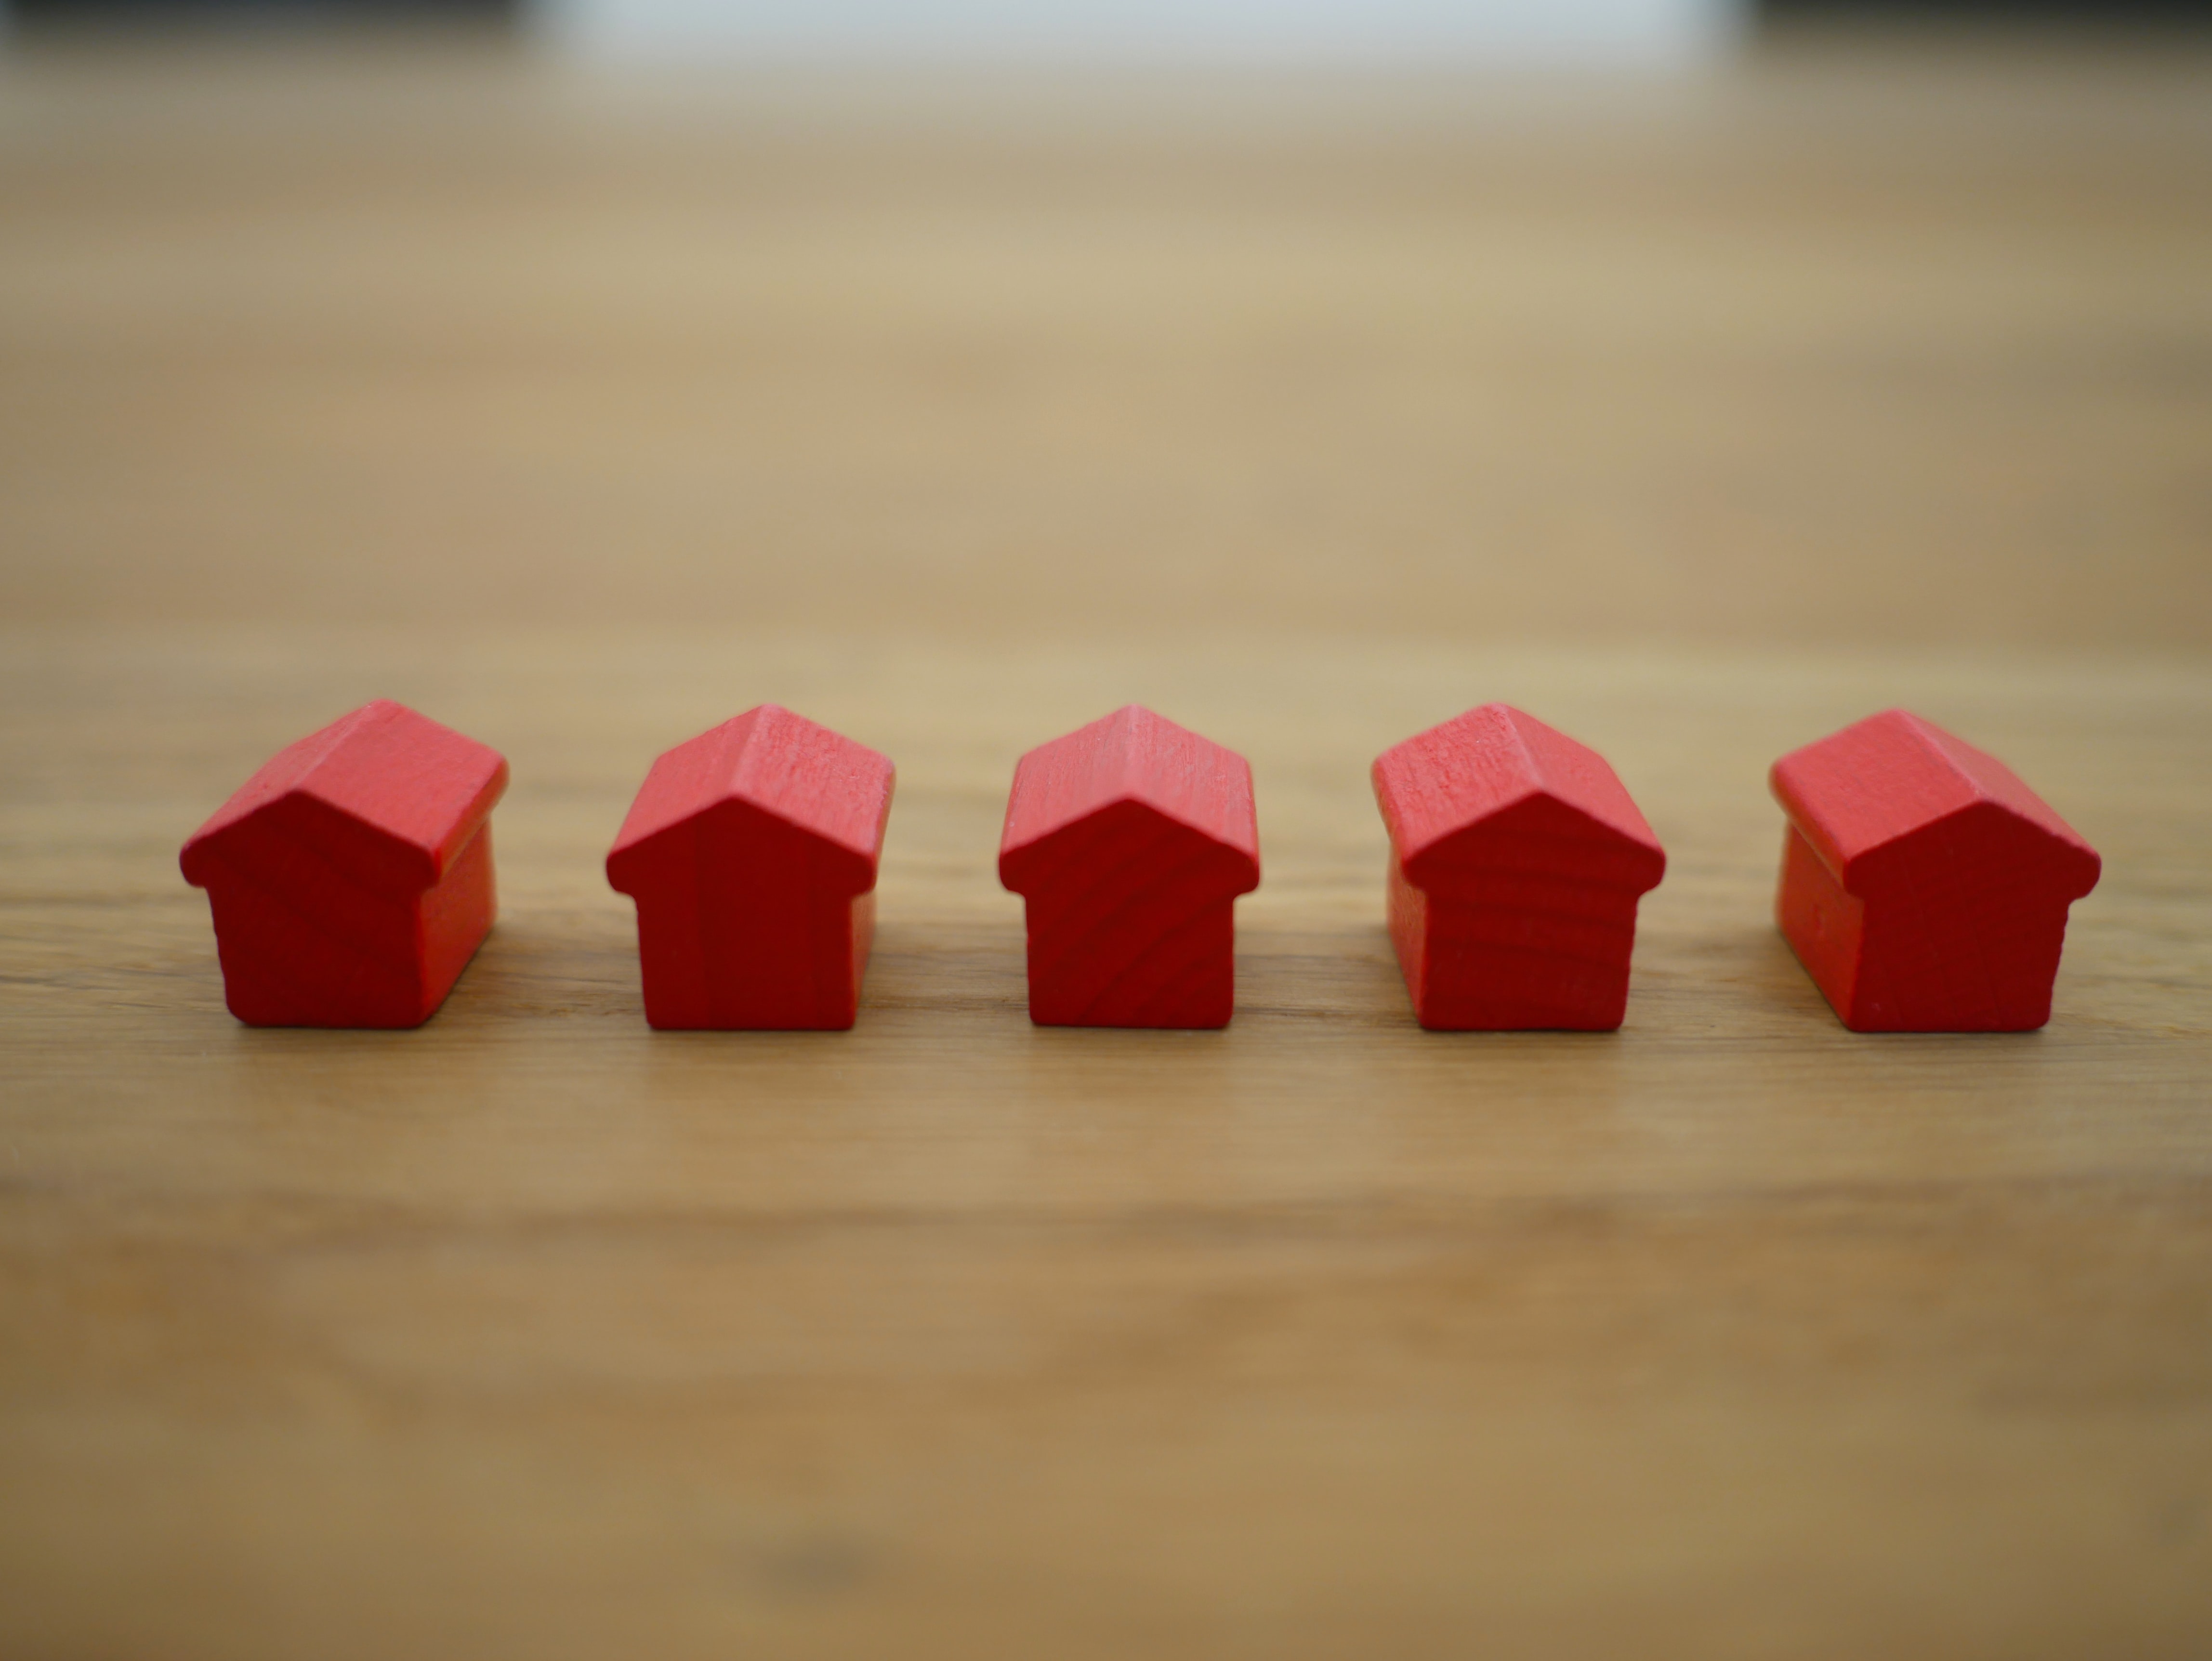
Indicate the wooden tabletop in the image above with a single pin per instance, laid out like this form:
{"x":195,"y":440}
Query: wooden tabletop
{"x":580,"y":412}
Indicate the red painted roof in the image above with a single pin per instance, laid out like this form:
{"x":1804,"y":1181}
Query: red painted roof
{"x":1131,"y":756}
{"x":1894,"y":775}
{"x":419,"y":788}
{"x":1470,"y":771}
{"x":781,"y":764}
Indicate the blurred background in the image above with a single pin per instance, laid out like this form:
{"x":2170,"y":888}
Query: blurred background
{"x":1699,"y":375}
{"x":1616,"y":29}
{"x":1594,"y":320}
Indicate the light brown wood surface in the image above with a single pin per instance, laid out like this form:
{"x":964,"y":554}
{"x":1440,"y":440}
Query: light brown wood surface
{"x":582,"y":413}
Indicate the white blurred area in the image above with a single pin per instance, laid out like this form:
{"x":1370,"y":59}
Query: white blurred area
{"x":1532,"y":32}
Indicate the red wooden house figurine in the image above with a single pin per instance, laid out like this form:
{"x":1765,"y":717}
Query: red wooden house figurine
{"x":1516,"y":859}
{"x":1130,"y":840}
{"x":751,"y":853}
{"x":351,"y":877}
{"x":1923,"y":887}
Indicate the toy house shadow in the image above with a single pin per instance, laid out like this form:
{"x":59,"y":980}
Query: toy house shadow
{"x":537,"y":964}
{"x":1345,"y":975}
{"x":934,"y":969}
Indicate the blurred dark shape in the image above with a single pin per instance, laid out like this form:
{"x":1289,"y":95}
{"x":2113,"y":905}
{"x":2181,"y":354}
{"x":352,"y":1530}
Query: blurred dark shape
{"x":2008,"y":11}
{"x":38,"y":14}
{"x":43,"y":16}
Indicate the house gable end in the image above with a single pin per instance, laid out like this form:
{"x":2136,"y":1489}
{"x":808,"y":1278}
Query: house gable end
{"x":1986,"y":848}
{"x":1132,"y":755}
{"x":771,"y":765}
{"x":733,"y":828}
{"x":278,"y":775}
{"x":1861,"y":788}
{"x":2000,"y":785}
{"x":1112,"y":840}
{"x":820,"y":781}
{"x":1540,"y":836}
{"x":385,"y":797}
{"x":1443,"y":784}
{"x":1885,"y":796}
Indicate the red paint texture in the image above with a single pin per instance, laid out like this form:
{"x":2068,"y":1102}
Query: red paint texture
{"x":1924,"y":887}
{"x":1516,"y":861}
{"x":1130,"y":840}
{"x":351,"y":877}
{"x":752,"y":852}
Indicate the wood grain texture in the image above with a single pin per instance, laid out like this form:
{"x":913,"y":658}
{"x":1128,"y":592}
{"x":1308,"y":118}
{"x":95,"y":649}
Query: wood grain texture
{"x":533,"y":1333}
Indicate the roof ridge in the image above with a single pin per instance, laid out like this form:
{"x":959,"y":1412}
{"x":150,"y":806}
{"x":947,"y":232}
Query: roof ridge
{"x":1132,"y":755}
{"x":734,"y":752}
{"x":1125,"y":723}
{"x":1931,"y":738}
{"x":1514,"y":716}
{"x":336,"y":735}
